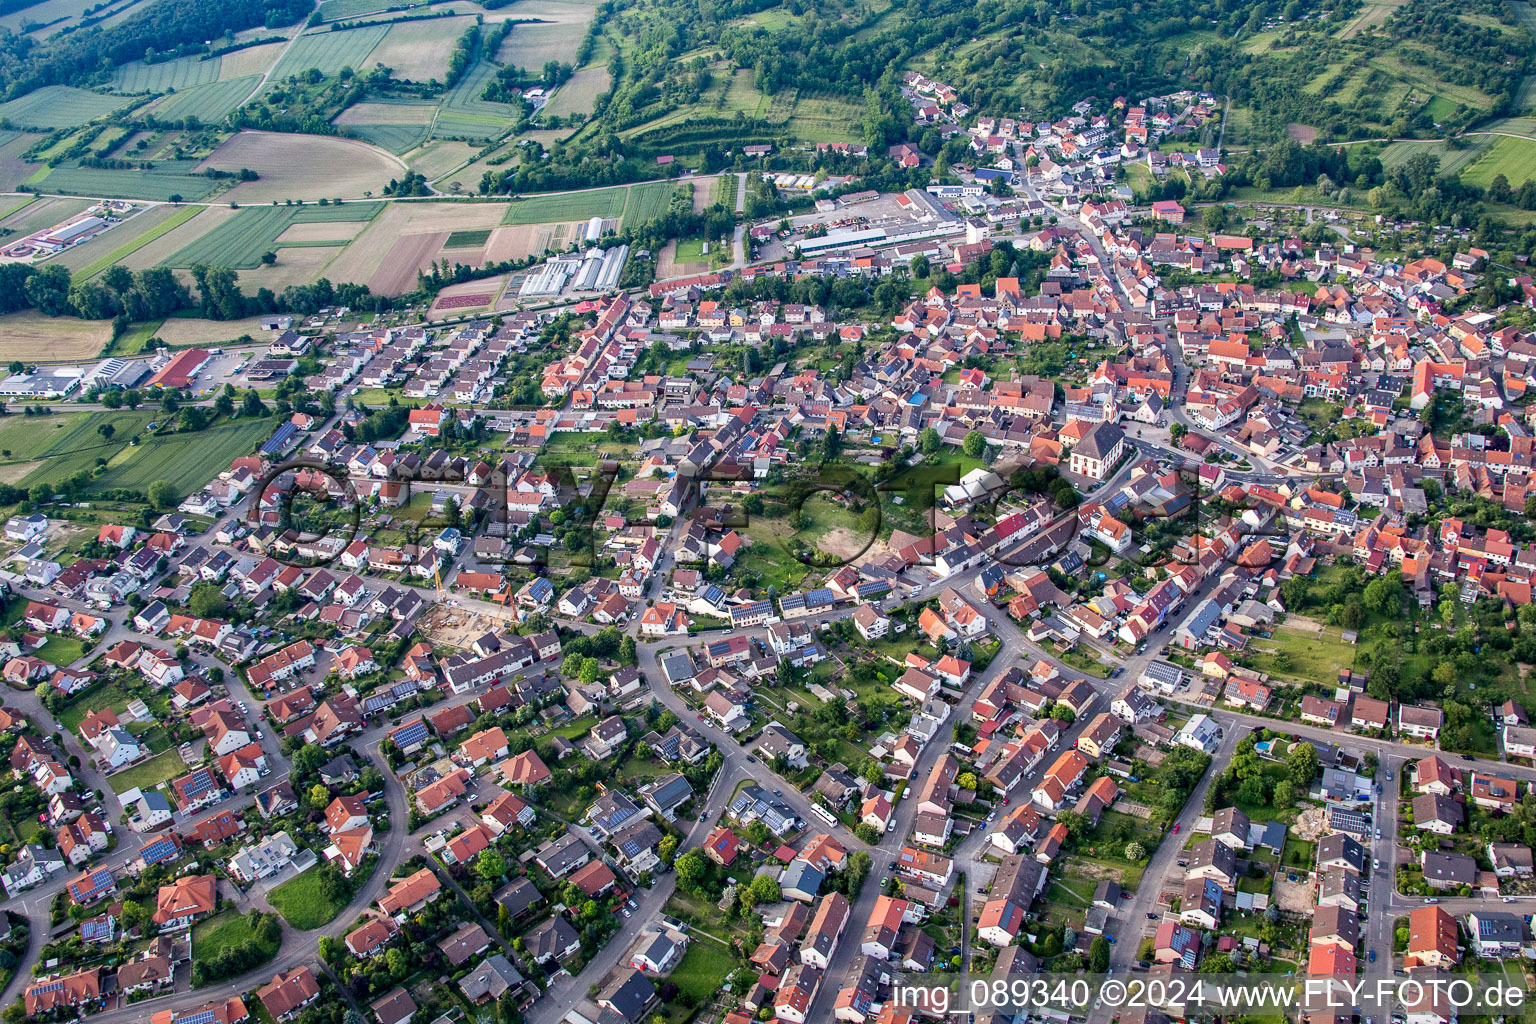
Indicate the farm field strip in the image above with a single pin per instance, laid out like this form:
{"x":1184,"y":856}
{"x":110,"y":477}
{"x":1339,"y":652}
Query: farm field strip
{"x":138,"y":232}
{"x":127,"y":184}
{"x":208,"y":103}
{"x":240,"y":241}
{"x":182,"y":73}
{"x":60,"y":106}
{"x":329,"y":52}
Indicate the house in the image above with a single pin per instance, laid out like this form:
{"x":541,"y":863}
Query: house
{"x":287,"y":994}
{"x":1435,"y":813}
{"x":395,"y":1006}
{"x":370,"y":937}
{"x":184,"y":901}
{"x":1510,"y":860}
{"x":1448,"y":870}
{"x":409,"y":894}
{"x":776,"y":741}
{"x":628,"y":994}
{"x":551,"y":941}
{"x":1215,"y":861}
{"x":1434,"y":775}
{"x":1419,"y":722}
{"x":1432,"y":940}
{"x":1496,"y":933}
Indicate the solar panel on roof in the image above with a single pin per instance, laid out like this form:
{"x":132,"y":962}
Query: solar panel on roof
{"x":200,"y":1017}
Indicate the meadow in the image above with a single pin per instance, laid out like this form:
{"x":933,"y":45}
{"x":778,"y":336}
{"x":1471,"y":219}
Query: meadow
{"x":301,"y":167}
{"x":240,"y":241}
{"x":397,"y":138}
{"x":60,"y":106}
{"x":578,"y":95}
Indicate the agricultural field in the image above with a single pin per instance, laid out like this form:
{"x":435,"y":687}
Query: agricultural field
{"x":331,"y":51}
{"x":158,"y":251}
{"x":252,"y":60}
{"x":406,"y":237}
{"x":396,"y":138}
{"x":403,"y":112}
{"x":187,"y":331}
{"x":556,"y":37}
{"x":296,"y":265}
{"x":634,"y":204}
{"x":208,"y":103}
{"x":579,"y":95}
{"x":182,"y":73}
{"x":438,"y":158}
{"x":1451,"y":160}
{"x":60,"y":106}
{"x":465,"y":115}
{"x":97,"y":254}
{"x":1511,"y":157}
{"x":417,"y":51}
{"x":32,"y":337}
{"x":13,"y":169}
{"x":158,"y":184}
{"x":188,"y":461}
{"x":240,"y":241}
{"x":302,"y":167}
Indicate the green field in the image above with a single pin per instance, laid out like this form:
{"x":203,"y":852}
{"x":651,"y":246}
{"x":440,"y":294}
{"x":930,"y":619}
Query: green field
{"x":1451,"y":160}
{"x":301,"y":904}
{"x":166,"y":75}
{"x":126,"y":184}
{"x":132,"y":341}
{"x":465,"y":115}
{"x":635,"y":204}
{"x":330,"y":51}
{"x":72,"y":436}
{"x":468,"y":239}
{"x":1513,"y":158}
{"x":152,"y":228}
{"x":345,"y":10}
{"x":208,"y":103}
{"x":188,"y":461}
{"x":146,"y":775}
{"x":241,"y":240}
{"x":60,"y":106}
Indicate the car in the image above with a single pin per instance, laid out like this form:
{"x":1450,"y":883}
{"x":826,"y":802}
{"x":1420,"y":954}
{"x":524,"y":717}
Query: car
{"x":1389,"y":774}
{"x":1430,"y":901}
{"x":699,"y":717}
{"x":1506,"y":899}
{"x":1005,"y":800}
{"x":893,"y":865}
{"x":1378,"y":833}
{"x":1370,"y":957}
{"x":1468,"y":757}
{"x":1176,"y":828}
{"x":890,"y":826}
{"x":883,"y":881}
{"x":751,"y":759}
{"x":1378,"y":864}
{"x":1151,"y":917}
{"x":1111,"y":939}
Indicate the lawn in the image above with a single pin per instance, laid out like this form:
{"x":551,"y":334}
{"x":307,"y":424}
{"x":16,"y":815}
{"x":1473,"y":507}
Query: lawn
{"x":300,"y":902}
{"x":61,"y":650}
{"x":146,"y":775}
{"x":635,"y":204}
{"x":222,"y":932}
{"x":702,"y":971}
{"x":95,"y":699}
{"x":1302,"y":655}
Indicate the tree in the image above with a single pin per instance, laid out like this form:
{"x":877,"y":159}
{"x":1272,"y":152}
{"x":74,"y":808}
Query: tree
{"x":269,"y":257}
{"x":975,"y":444}
{"x":1284,"y":794}
{"x":106,"y":430}
{"x":1135,"y":852}
{"x":766,"y":889}
{"x":490,"y":866}
{"x":1064,"y":714}
{"x":691,"y":868}
{"x":1098,"y":955}
{"x":1301,"y":764}
{"x":162,"y":494}
{"x":928,"y":441}
{"x":667,"y":849}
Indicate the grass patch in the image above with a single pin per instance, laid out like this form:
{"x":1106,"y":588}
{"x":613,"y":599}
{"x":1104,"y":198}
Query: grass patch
{"x":1513,"y":158}
{"x":223,"y":932}
{"x":147,"y":775}
{"x":702,"y":971}
{"x":301,"y":903}
{"x":61,"y":650}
